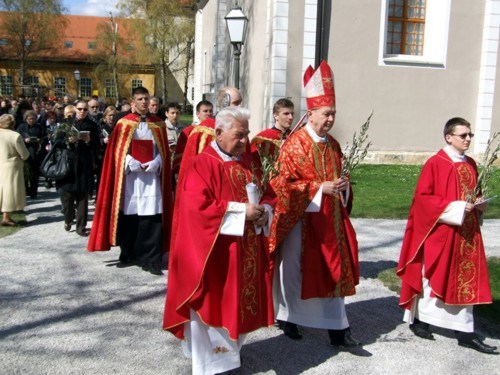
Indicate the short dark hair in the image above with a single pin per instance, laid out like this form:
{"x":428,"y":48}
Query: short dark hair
{"x":282,"y":103}
{"x":449,"y":127}
{"x":140,"y":91}
{"x":172,"y":105}
{"x":203,"y":102}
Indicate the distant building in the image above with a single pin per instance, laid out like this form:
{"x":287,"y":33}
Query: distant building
{"x":53,"y":75}
{"x":415,"y":63}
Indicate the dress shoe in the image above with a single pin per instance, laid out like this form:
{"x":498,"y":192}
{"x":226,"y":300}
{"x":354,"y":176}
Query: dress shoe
{"x":82,"y":232}
{"x":351,"y":342}
{"x":125,"y":263}
{"x":478,"y":345}
{"x":421,"y":331}
{"x":343,"y":337}
{"x":290,"y":330}
{"x":67,"y":227}
{"x":152,"y":270}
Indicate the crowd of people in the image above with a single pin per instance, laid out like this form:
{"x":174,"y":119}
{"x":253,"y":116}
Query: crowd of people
{"x":245,"y":251}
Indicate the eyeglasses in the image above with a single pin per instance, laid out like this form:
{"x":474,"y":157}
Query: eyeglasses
{"x":463,"y":136}
{"x":82,"y":109}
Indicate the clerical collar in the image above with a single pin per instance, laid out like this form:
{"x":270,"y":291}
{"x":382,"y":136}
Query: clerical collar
{"x":284,"y":134}
{"x":455,"y":156}
{"x":314,"y":136}
{"x":223,"y":154}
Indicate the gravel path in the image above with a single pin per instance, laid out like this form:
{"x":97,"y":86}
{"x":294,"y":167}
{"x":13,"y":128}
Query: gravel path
{"x":66,"y":311}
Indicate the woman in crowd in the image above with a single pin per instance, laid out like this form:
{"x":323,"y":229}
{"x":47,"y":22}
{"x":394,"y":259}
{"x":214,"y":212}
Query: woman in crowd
{"x":12,"y":153}
{"x":35,"y":138}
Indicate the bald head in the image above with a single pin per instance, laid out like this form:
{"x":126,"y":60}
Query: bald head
{"x":228,"y":96}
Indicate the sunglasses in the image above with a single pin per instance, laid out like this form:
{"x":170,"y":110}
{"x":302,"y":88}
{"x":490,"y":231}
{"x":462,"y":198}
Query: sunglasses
{"x":463,"y":136}
{"x":82,"y":109}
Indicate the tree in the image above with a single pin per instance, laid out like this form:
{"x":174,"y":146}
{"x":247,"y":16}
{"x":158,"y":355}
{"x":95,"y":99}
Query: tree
{"x":168,"y":30}
{"x":29,"y":28}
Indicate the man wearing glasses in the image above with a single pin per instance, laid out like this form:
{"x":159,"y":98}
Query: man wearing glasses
{"x":94,"y":113}
{"x":442,"y":263}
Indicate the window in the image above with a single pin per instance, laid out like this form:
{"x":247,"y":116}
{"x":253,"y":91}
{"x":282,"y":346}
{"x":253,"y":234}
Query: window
{"x":136,"y":83}
{"x":60,"y":86}
{"x":30,"y":86}
{"x":405,"y":27}
{"x":414,"y":32}
{"x":91,"y":45}
{"x":4,"y":42}
{"x":110,"y":89}
{"x":5,"y":85}
{"x":32,"y":81}
{"x":68,"y":44}
{"x":85,"y":87}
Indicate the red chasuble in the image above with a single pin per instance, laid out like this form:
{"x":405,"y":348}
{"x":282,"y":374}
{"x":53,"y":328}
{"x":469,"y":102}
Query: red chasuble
{"x":453,"y":256}
{"x":267,"y":142}
{"x":105,"y":221}
{"x":329,"y":246}
{"x":227,"y":280}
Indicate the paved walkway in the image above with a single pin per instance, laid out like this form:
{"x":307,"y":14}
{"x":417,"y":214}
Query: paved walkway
{"x":66,"y":311}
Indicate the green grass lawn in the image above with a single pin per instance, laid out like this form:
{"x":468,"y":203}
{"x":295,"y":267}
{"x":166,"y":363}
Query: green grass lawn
{"x":19,"y":218}
{"x":386,"y":191}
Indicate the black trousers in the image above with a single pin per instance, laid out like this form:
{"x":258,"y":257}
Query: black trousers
{"x":140,"y":239}
{"x":80,"y":201}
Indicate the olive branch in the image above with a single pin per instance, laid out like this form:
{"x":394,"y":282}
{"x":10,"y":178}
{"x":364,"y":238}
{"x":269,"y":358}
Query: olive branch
{"x":486,"y":168}
{"x":357,"y":151}
{"x":269,"y":170}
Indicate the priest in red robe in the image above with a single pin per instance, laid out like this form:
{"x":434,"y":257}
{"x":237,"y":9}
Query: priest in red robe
{"x":442,"y":263}
{"x":316,"y":246}
{"x":134,"y":204}
{"x":195,"y":139}
{"x":267,"y":143}
{"x":220,"y":274}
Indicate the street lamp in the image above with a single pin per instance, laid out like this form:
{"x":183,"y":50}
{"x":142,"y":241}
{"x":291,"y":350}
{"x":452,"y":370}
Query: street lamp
{"x":77,"y":79}
{"x":236,"y":25}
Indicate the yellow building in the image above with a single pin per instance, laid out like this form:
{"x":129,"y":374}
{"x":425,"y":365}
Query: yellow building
{"x":75,"y":67}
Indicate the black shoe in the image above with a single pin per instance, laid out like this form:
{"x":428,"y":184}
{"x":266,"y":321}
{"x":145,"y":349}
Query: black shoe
{"x":422,"y":331}
{"x":153,"y":270}
{"x":67,"y":227}
{"x":343,"y":337}
{"x":478,"y":345}
{"x":125,"y":263}
{"x":290,"y":330}
{"x":82,"y":232}
{"x":280,"y":324}
{"x":351,"y":342}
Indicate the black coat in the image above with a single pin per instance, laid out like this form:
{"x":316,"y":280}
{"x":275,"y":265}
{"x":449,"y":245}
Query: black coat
{"x":82,"y":154}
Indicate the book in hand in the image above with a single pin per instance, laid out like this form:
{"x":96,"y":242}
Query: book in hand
{"x":142,"y":150}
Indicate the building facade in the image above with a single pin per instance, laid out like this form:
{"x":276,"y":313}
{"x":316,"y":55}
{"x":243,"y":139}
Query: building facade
{"x":414,"y":63}
{"x":77,"y":66}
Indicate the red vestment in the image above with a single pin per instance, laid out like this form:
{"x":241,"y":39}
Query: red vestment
{"x":109,"y":199}
{"x":329,"y":246}
{"x":453,"y":256}
{"x":226,"y":279}
{"x":267,"y":142}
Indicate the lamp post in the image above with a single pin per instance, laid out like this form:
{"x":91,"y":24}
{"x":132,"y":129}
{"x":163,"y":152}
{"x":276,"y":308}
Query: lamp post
{"x":77,"y":79}
{"x":236,"y":25}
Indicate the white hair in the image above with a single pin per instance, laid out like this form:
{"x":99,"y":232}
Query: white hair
{"x":225,"y":117}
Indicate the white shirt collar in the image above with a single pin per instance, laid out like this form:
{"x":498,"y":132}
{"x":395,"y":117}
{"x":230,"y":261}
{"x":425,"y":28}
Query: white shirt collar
{"x":222,"y":154}
{"x":316,"y":138}
{"x":455,"y":156}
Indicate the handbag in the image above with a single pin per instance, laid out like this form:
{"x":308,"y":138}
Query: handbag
{"x":57,"y":164}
